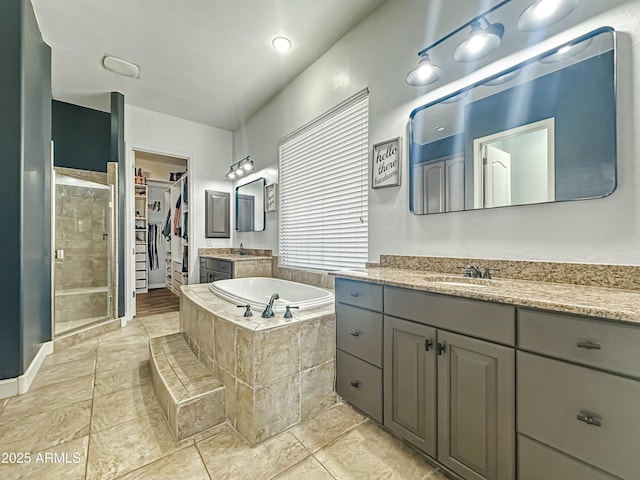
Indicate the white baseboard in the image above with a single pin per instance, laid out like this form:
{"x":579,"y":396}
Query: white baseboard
{"x":8,"y":388}
{"x":124,"y":320}
{"x":17,"y":386}
{"x":25,"y":380}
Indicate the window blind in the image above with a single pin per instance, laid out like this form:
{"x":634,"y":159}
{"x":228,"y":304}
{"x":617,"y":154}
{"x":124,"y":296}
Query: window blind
{"x":323,"y":190}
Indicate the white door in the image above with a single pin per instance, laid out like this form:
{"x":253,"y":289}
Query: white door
{"x":497,"y":177}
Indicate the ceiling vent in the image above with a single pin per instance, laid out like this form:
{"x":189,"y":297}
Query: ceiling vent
{"x":121,"y":67}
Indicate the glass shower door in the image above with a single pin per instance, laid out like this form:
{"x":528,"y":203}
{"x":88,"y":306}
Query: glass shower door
{"x":83,"y":292}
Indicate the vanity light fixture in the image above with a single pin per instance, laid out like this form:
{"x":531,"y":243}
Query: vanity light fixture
{"x":241,"y":168}
{"x":480,"y":42}
{"x":544,"y":13}
{"x":507,"y":77}
{"x":425,"y":73}
{"x":282,"y":44}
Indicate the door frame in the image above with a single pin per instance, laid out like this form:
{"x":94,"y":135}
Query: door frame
{"x":478,"y":167}
{"x":129,"y":220}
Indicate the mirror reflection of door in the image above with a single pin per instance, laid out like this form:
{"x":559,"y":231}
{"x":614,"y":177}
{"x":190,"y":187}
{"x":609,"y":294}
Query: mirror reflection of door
{"x":246,"y":213}
{"x":516,"y":166}
{"x":439,"y":186}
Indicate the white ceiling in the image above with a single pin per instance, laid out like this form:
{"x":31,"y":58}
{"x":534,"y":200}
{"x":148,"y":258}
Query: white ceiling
{"x":209,"y":61}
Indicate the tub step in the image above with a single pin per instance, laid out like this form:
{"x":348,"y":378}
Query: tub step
{"x":191,"y":397}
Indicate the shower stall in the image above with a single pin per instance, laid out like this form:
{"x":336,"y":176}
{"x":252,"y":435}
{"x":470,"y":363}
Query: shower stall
{"x":83,"y":253}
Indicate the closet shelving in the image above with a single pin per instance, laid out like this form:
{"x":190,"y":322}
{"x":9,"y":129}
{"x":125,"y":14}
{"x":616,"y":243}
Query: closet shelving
{"x":178,"y":259}
{"x":141,"y":216}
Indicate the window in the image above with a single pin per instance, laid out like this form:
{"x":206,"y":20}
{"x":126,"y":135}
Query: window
{"x":323,"y":190}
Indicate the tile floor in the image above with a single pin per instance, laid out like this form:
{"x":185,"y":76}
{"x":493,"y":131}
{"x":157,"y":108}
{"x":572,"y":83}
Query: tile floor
{"x":92,"y":414}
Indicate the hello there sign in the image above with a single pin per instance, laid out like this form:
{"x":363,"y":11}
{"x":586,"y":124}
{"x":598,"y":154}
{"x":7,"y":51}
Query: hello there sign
{"x":385,"y":164}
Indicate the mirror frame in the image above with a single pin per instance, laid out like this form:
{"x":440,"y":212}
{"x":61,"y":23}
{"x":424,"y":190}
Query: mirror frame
{"x":506,"y":71}
{"x":264,"y":215}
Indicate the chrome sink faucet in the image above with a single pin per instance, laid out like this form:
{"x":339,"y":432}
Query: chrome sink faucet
{"x":473,"y":272}
{"x":268,"y":311}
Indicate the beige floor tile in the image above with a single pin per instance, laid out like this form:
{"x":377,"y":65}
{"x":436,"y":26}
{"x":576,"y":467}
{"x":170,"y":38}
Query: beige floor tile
{"x":67,"y":461}
{"x":308,"y":469}
{"x":114,"y":380}
{"x":47,"y":429}
{"x":59,"y":372}
{"x":133,"y":357}
{"x":49,"y":397}
{"x":211,"y":432}
{"x":369,"y":453}
{"x":129,"y":446}
{"x":87,"y":349}
{"x":326,"y":427}
{"x":3,"y":404}
{"x":123,"y":405}
{"x":185,"y":463}
{"x":227,"y":456}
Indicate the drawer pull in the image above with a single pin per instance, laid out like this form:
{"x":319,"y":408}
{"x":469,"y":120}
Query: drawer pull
{"x":589,"y":345}
{"x":589,"y":420}
{"x":427,"y":344}
{"x":354,"y":294}
{"x":355,"y":334}
{"x":355,"y":384}
{"x":440,"y":348}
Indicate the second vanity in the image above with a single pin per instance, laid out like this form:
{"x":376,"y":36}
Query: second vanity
{"x":495,"y":379}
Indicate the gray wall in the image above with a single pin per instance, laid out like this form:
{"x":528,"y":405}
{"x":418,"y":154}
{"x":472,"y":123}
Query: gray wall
{"x":25,"y":102}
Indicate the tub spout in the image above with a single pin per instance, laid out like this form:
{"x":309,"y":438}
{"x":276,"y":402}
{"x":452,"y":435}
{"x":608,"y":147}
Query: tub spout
{"x":268,"y":311}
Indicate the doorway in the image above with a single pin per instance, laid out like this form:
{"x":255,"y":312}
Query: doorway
{"x":160,"y":231}
{"x":515,"y":166}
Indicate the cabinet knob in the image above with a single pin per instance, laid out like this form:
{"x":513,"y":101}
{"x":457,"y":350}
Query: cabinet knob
{"x":354,"y":294}
{"x":427,"y":344}
{"x":441,"y":348}
{"x":589,"y":345}
{"x":355,"y":334}
{"x":589,"y":420}
{"x":355,"y":384}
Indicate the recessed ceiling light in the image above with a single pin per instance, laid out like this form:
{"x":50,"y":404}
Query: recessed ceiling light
{"x":120,"y":66}
{"x":282,"y":44}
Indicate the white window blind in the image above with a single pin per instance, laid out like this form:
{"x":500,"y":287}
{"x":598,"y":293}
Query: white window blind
{"x":323,"y":190}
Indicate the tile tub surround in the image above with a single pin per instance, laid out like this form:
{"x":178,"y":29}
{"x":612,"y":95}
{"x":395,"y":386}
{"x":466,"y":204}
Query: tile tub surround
{"x":589,"y":274}
{"x":277,"y":372}
{"x":609,"y":303}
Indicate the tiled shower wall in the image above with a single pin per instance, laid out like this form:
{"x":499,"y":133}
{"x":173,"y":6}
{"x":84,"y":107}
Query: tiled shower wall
{"x":82,"y":231}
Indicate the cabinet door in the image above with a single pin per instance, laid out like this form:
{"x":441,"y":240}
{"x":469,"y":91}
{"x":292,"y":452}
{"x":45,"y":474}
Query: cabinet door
{"x":217,"y":214}
{"x":476,"y":426}
{"x":410,"y":382}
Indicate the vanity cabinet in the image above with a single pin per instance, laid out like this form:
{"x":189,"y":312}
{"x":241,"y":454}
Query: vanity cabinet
{"x":411,"y":358}
{"x":213,"y":269}
{"x":449,"y":394}
{"x":578,"y":394}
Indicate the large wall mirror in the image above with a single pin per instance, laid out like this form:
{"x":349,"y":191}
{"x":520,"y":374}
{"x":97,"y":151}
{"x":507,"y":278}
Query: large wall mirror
{"x":250,"y":214}
{"x":542,"y":131}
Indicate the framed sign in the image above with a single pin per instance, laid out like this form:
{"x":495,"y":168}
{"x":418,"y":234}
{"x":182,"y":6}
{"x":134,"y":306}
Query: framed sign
{"x":271,"y":197}
{"x":386,"y":164}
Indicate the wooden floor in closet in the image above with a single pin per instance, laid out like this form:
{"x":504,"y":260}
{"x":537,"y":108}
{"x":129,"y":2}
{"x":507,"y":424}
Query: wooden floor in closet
{"x":158,"y":300}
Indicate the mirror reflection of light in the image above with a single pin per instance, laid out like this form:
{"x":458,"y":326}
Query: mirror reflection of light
{"x":545,"y":8}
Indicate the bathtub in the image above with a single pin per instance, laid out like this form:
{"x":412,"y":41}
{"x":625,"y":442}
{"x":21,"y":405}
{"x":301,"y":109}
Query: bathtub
{"x":256,"y":292}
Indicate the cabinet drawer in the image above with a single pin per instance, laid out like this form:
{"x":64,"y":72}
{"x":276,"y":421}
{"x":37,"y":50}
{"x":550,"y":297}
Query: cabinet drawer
{"x":491,"y":321}
{"x":141,"y":284}
{"x":176,"y":285}
{"x":360,"y":384}
{"x":141,"y":266}
{"x":576,"y":339}
{"x":219,"y":265}
{"x":141,"y":248}
{"x":359,"y":332}
{"x":141,"y":257}
{"x":141,"y":274}
{"x":536,"y":461}
{"x":551,"y":395}
{"x":178,"y":278}
{"x":360,"y":294}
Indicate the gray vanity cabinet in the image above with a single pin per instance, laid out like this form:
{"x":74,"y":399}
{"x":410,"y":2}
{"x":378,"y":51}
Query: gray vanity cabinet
{"x":410,"y":382}
{"x":476,"y":399}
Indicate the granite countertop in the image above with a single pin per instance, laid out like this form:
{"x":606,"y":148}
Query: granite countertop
{"x":234,"y":257}
{"x":610,"y":303}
